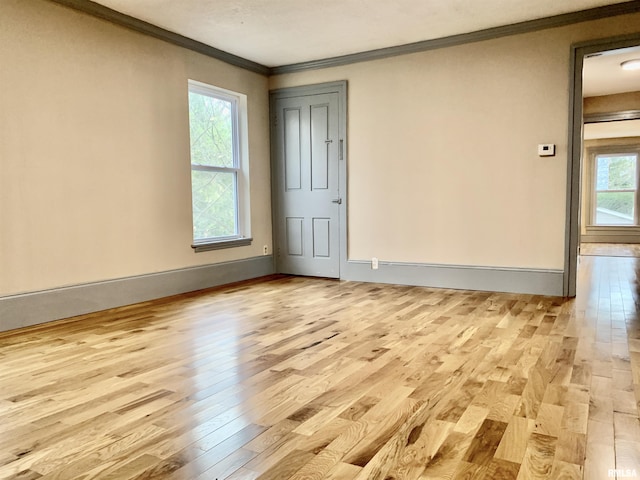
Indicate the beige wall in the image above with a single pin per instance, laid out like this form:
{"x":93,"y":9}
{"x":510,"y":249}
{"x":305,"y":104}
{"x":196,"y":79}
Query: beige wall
{"x":94,"y":150}
{"x":443,"y":168}
{"x":443,"y":164}
{"x":612,"y":103}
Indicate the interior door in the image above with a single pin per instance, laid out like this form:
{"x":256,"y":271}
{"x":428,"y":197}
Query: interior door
{"x":306,"y":185}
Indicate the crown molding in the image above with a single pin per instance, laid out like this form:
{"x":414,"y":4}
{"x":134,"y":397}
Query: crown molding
{"x":127,"y":21}
{"x":132,"y":23}
{"x":612,"y":116}
{"x":461,"y":39}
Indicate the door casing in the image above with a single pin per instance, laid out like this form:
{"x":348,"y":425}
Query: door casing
{"x":574,"y":153}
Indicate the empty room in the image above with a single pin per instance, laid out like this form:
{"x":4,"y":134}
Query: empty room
{"x":319,"y":240}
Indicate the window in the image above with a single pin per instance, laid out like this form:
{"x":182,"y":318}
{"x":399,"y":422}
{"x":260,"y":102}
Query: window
{"x":615,"y":188}
{"x":219,"y":179}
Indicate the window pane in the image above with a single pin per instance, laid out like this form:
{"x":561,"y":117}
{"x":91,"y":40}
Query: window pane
{"x":211,"y":130}
{"x":214,"y":204}
{"x":615,"y":208}
{"x":616,"y":172}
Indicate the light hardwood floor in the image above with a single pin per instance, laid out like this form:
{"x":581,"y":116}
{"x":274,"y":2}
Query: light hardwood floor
{"x":610,"y":249}
{"x":310,"y":378}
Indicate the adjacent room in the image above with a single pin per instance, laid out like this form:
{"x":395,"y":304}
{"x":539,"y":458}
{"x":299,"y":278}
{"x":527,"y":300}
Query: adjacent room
{"x":341,"y":240}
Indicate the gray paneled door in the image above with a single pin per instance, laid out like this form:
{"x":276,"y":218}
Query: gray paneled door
{"x":306,"y":184}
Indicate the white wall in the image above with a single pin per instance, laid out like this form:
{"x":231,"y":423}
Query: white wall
{"x":94,"y":150}
{"x":443,"y":164}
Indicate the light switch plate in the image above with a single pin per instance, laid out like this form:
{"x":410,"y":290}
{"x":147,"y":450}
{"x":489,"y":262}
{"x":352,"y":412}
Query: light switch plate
{"x":546,"y":150}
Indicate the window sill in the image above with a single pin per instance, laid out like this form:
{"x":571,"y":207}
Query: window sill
{"x":605,"y":228}
{"x":219,"y":245}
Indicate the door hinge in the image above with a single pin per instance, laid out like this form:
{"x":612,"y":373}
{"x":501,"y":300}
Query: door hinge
{"x":341,"y":150}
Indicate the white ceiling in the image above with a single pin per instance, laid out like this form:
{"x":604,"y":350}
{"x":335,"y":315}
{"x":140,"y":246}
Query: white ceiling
{"x":282,"y":32}
{"x":602,"y":74}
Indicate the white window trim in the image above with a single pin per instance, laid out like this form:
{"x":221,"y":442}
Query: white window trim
{"x":241,"y":169}
{"x":592,"y":154}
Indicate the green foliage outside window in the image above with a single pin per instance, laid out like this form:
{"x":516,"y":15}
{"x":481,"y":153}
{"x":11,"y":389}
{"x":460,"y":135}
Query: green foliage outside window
{"x":211,"y":130}
{"x":621,"y":202}
{"x":614,"y":174}
{"x":214,"y":192}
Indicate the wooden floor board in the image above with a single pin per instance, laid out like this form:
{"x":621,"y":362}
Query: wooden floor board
{"x":288,"y":377}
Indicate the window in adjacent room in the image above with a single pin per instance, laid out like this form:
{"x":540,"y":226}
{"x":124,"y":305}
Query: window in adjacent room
{"x":615,"y":188}
{"x":219,"y":172}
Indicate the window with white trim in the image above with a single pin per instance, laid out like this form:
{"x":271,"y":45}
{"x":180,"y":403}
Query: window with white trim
{"x":219,"y":174}
{"x":615,"y":187}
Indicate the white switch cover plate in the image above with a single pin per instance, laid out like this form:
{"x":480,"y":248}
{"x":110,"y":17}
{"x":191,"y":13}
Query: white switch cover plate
{"x":546,"y":150}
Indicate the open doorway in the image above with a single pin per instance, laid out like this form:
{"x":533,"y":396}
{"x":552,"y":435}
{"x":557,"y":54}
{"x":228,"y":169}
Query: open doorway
{"x":603,"y":204}
{"x":611,"y":147}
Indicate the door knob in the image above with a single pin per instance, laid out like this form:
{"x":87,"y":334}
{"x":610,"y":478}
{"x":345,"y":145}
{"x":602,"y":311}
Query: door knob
{"x":337,"y":200}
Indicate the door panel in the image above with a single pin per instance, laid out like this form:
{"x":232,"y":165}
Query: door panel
{"x":292,"y":154}
{"x":294,"y":237}
{"x":321,"y":237}
{"x":320,"y":147}
{"x":306,"y":185}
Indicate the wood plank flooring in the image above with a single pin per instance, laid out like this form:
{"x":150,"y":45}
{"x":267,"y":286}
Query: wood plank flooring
{"x":299,"y":378}
{"x":610,"y":249}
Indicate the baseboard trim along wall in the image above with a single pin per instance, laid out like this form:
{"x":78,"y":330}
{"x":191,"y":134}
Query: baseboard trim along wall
{"x":17,"y":311}
{"x":610,"y":234}
{"x":461,"y":277}
{"x":610,"y":238}
{"x":33,"y":308}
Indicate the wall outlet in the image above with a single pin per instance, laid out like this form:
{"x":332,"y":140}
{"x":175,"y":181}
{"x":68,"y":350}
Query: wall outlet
{"x":265,"y":250}
{"x":374,"y":263}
